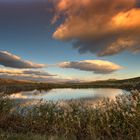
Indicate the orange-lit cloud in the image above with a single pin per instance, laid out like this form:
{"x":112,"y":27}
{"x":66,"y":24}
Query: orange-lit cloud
{"x":104,"y":27}
{"x":96,"y":66}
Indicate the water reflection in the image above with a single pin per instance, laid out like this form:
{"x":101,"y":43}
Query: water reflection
{"x":68,"y":94}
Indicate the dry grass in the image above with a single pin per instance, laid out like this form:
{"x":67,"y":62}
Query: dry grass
{"x":108,"y":120}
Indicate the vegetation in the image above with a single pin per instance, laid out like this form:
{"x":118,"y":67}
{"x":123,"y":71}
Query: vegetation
{"x":115,"y":120}
{"x":12,"y":86}
{"x":108,"y":119}
{"x":29,"y":136}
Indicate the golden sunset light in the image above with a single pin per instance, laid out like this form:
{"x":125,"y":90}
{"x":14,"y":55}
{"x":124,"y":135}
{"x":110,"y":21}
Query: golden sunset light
{"x":69,"y":69}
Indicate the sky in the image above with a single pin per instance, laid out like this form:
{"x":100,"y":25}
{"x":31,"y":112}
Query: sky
{"x":69,"y":40}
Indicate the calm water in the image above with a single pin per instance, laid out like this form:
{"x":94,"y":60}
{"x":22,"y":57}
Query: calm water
{"x":68,"y":94}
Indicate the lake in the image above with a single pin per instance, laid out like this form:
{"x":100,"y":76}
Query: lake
{"x":68,"y":94}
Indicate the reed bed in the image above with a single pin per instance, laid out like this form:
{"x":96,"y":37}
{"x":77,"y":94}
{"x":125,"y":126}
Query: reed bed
{"x":108,"y":119}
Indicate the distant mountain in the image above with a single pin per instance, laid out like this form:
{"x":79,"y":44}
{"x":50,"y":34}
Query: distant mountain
{"x":132,"y":80}
{"x":135,"y":79}
{"x":132,"y":83}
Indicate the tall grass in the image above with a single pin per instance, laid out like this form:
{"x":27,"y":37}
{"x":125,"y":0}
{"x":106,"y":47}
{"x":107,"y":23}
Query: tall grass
{"x":107,"y":120}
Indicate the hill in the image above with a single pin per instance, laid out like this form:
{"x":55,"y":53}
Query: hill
{"x":11,"y":81}
{"x":12,"y":86}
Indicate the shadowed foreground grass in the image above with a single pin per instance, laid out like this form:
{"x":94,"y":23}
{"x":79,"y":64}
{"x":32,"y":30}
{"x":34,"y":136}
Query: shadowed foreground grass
{"x":14,"y":136}
{"x":108,"y":120}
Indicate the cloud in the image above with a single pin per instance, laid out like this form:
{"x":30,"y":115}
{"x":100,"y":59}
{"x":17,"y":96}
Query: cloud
{"x":38,"y":73}
{"x":96,"y":66}
{"x":9,"y":60}
{"x":25,"y":72}
{"x":33,"y":75}
{"x":103,"y":27}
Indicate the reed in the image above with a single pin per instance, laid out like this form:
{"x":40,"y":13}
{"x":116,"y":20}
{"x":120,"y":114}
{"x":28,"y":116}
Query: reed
{"x":107,"y":120}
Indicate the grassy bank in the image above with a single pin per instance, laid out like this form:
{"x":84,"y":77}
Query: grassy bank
{"x":12,"y":86}
{"x":107,"y":120}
